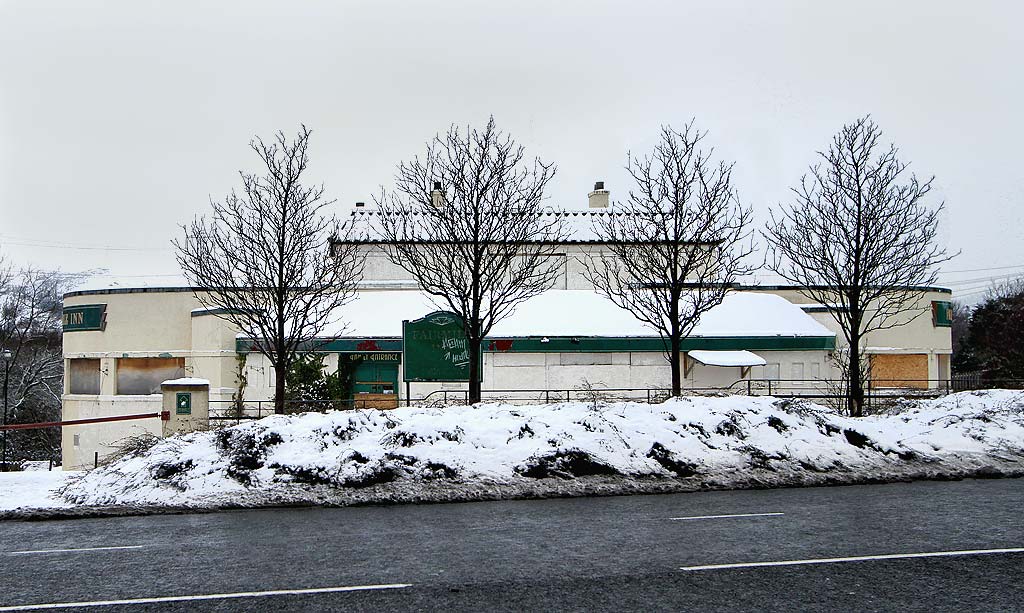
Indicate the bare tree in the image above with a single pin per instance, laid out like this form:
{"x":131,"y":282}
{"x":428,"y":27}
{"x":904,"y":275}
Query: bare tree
{"x":32,"y":358}
{"x":677,"y":244}
{"x":264,"y":259}
{"x":857,"y":238}
{"x":467,"y":222}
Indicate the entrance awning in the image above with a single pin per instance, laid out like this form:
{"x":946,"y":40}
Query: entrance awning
{"x":727,"y":358}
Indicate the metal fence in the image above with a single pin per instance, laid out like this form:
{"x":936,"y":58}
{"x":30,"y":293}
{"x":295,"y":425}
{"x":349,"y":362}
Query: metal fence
{"x":878,"y":395}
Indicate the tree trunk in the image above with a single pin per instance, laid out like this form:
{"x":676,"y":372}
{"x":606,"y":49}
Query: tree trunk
{"x":474,"y":371}
{"x":280,"y":372}
{"x":675,"y":345}
{"x":855,"y":399}
{"x":676,"y":361}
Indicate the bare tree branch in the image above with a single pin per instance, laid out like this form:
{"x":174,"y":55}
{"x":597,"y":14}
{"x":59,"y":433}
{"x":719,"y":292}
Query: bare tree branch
{"x":483,"y":242}
{"x":858,"y":238}
{"x":33,"y":374}
{"x":265,"y":260}
{"x":677,"y":244}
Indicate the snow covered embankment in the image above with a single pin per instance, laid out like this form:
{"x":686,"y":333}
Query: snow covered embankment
{"x":504,"y":451}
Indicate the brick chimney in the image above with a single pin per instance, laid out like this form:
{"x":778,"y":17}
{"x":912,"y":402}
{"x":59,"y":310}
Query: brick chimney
{"x":599,"y":197}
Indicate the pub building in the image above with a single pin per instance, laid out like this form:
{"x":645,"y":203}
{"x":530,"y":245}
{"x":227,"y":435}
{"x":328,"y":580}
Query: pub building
{"x":398,"y":347}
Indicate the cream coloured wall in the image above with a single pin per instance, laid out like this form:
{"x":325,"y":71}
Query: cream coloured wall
{"x":156,"y":324}
{"x":380,"y":271}
{"x":103,"y":437}
{"x":213,"y":355}
{"x":624,"y":370}
{"x":917,"y":335}
{"x":151,"y":322}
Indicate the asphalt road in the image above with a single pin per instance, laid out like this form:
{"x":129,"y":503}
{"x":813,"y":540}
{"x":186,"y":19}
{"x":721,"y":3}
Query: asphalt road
{"x":621,"y":553}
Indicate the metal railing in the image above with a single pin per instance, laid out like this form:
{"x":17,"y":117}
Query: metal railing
{"x":877,"y":392}
{"x":232,"y":411}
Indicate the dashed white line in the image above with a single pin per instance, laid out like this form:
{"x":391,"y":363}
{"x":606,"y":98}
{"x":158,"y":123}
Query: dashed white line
{"x":159,"y":599}
{"x":724,"y":516}
{"x":24,"y":553}
{"x":891,"y":556}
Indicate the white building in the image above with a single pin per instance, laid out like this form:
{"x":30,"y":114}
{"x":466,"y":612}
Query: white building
{"x":121,"y":343}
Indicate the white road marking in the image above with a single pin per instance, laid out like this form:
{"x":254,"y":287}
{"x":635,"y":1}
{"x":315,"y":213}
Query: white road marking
{"x":724,"y":516}
{"x":131,"y":601}
{"x":892,"y":556}
{"x":23,"y":553}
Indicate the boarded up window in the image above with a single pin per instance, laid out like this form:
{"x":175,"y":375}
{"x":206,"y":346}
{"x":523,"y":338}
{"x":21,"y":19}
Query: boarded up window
{"x":144,"y":375}
{"x":899,"y":370}
{"x":84,"y":376}
{"x":771,"y":371}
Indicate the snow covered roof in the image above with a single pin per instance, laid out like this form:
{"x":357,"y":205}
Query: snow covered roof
{"x":756,"y":314}
{"x":726,"y":358}
{"x":130,"y":283}
{"x":583,"y":313}
{"x":187,"y":381}
{"x":578,"y":224}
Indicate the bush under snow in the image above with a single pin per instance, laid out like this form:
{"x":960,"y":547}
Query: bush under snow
{"x":499,"y":451}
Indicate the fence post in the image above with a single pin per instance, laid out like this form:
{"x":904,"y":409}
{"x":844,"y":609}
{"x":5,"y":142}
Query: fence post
{"x":748,"y":388}
{"x":96,"y":459}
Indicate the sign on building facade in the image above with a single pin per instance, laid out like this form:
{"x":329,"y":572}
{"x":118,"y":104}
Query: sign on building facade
{"x":84,"y":317}
{"x":435,"y":348}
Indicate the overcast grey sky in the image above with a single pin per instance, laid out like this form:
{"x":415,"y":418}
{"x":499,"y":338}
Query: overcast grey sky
{"x":118,"y":120}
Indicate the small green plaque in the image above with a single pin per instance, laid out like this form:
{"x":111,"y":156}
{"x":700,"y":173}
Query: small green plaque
{"x":183,"y":403}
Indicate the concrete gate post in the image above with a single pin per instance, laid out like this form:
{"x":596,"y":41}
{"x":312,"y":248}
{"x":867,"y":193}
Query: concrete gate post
{"x":186,"y":405}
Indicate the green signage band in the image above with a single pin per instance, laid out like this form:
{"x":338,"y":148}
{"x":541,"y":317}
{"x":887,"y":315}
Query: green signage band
{"x":84,"y":317}
{"x":382,"y":356}
{"x":435,"y":348}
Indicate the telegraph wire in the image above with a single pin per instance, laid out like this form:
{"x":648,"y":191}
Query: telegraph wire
{"x":32,"y":242}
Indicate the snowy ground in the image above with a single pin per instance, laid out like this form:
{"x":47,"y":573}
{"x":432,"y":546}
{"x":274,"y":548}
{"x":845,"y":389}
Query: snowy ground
{"x":32,"y":489}
{"x":502,"y":451}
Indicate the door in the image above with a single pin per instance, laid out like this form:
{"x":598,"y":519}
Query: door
{"x":376,"y":378}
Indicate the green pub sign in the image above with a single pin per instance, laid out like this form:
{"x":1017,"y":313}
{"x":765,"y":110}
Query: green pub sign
{"x":942,"y":313}
{"x":84,"y":317}
{"x":435,"y":348}
{"x":183,"y":403}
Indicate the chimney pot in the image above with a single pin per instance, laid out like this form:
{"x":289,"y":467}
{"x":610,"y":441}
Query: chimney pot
{"x":437,"y":196}
{"x":598,"y":199}
{"x":360,"y":205}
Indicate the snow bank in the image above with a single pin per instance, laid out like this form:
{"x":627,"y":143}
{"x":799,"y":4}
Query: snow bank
{"x":503,"y":451}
